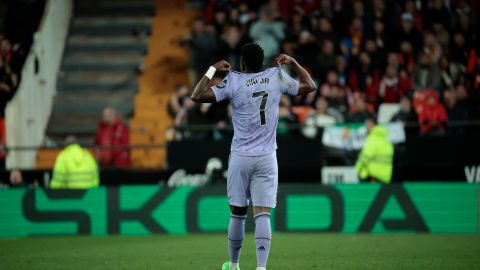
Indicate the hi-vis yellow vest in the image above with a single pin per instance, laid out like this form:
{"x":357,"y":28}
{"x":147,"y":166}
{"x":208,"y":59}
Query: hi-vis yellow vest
{"x":75,"y":168}
{"x":376,"y":158}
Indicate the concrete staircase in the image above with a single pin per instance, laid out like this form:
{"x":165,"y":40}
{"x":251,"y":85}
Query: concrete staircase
{"x":165,"y":66}
{"x":107,"y":43}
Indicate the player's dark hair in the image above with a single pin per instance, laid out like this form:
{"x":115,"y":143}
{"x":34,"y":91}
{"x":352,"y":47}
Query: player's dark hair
{"x":252,"y":56}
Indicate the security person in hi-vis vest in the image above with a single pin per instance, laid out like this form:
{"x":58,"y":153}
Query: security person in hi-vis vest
{"x":375,"y":162}
{"x":75,"y":168}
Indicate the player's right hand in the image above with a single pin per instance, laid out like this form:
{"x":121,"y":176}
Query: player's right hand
{"x":222,"y":66}
{"x":284,"y":59}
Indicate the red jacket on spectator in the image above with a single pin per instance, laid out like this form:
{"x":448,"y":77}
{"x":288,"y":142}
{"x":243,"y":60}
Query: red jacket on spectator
{"x":473,"y":67}
{"x":393,"y":86}
{"x":116,"y":134}
{"x":432,"y":116}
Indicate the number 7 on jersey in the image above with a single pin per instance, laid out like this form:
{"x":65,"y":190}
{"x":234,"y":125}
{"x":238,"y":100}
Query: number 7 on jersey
{"x":264,"y":96}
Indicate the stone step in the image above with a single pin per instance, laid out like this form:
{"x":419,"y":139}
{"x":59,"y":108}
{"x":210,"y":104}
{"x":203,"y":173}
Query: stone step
{"x":102,"y":61}
{"x":110,"y":21}
{"x":140,"y":48}
{"x":62,"y":125}
{"x":98,"y":77}
{"x":127,"y":66}
{"x":85,"y":140}
{"x":98,"y":80}
{"x":112,"y":7}
{"x":112,"y":29}
{"x":130,"y":86}
{"x":91,"y":108}
{"x":85,"y":40}
{"x":78,"y":96}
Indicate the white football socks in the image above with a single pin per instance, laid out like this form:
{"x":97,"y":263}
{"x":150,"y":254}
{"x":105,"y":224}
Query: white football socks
{"x":261,"y":268}
{"x":233,"y":266}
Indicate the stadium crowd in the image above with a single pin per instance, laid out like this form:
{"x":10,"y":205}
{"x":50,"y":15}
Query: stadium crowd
{"x":422,"y":55}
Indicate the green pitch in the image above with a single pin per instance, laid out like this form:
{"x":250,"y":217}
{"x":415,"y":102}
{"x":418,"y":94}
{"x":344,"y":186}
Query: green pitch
{"x":208,"y":251}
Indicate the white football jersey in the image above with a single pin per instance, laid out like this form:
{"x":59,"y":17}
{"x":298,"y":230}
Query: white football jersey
{"x":255,"y":99}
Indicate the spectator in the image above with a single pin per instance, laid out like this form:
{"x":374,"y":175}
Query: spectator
{"x":381,"y":37}
{"x":441,"y":35}
{"x":307,"y":47}
{"x":202,"y":46}
{"x":466,"y":26}
{"x":455,"y":111}
{"x":325,"y":30}
{"x":318,"y":119}
{"x":393,"y":61}
{"x":342,"y":70}
{"x":358,"y":76}
{"x":324,"y":115}
{"x":295,"y":27}
{"x":351,"y":45}
{"x":219,"y":21}
{"x":425,"y":74}
{"x":75,"y":168}
{"x":375,"y":162}
{"x":230,"y":45}
{"x":379,"y":12}
{"x":461,"y":94}
{"x":286,"y":117}
{"x":437,"y":12}
{"x":450,"y":72}
{"x":358,"y":9}
{"x":326,"y":59}
{"x":377,"y":56}
{"x":334,"y":92}
{"x":433,"y":116}
{"x":176,"y":101}
{"x":417,"y":17}
{"x":406,"y":113}
{"x":112,"y":140}
{"x":268,"y":33}
{"x":193,"y":114}
{"x":409,"y":33}
{"x":406,"y":56}
{"x":467,"y":102}
{"x":459,"y":49}
{"x":431,"y":47}
{"x":392,"y":86}
{"x":360,"y":111}
{"x":16,"y":177}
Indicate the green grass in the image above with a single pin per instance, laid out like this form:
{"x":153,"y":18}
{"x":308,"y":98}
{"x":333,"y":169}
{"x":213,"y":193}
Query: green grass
{"x":208,"y":251}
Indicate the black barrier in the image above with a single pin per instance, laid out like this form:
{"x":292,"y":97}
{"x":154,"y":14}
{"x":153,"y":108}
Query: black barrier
{"x":423,"y":158}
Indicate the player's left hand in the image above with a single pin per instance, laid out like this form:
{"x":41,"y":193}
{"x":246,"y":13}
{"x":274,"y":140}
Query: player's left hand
{"x":284,"y":59}
{"x":222,"y":66}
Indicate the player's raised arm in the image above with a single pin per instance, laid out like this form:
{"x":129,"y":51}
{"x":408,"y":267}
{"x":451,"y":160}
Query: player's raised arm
{"x":306,"y":84}
{"x":202,"y":92}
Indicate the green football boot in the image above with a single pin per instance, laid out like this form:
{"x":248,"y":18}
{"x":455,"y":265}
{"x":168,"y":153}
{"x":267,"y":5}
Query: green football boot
{"x":226,"y":266}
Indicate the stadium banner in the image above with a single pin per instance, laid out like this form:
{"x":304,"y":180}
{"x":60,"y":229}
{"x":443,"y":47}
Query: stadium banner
{"x":143,"y":210}
{"x":339,"y":175}
{"x":353,"y":136}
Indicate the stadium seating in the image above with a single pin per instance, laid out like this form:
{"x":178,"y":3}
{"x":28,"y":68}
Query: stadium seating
{"x":165,"y":67}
